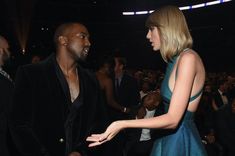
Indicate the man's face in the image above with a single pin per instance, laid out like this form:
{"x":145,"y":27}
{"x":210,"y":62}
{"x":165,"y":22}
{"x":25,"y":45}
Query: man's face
{"x":118,"y":66}
{"x":152,"y":100}
{"x":78,"y":43}
{"x":4,"y":50}
{"x":233,"y":105}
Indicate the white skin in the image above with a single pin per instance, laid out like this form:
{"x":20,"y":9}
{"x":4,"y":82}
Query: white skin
{"x":190,"y":80}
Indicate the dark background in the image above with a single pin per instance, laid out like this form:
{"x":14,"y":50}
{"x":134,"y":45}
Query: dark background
{"x":212,"y":28}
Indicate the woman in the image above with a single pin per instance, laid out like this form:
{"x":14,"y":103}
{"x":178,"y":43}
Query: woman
{"x":181,"y":88}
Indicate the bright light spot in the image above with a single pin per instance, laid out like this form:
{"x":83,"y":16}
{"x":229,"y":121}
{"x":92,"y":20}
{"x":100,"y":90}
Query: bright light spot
{"x":128,"y":13}
{"x":213,"y":2}
{"x":181,"y":8}
{"x":23,"y":51}
{"x":198,"y":5}
{"x":141,"y":12}
{"x":185,"y":8}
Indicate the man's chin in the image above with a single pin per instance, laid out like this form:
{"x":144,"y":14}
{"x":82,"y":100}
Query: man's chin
{"x":81,"y":60}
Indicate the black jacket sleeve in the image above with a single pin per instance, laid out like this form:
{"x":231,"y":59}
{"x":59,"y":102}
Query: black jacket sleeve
{"x":21,"y":117}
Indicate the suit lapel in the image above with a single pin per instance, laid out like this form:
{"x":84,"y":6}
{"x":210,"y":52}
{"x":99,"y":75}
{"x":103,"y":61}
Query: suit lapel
{"x":54,"y":86}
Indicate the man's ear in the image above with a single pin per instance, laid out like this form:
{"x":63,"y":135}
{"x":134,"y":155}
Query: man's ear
{"x":63,"y":40}
{"x":1,"y":51}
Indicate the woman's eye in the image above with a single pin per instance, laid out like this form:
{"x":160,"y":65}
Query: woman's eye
{"x":151,"y":28}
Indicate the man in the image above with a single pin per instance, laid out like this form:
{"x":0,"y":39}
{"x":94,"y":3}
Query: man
{"x":141,"y":143}
{"x":219,"y":96}
{"x":126,"y":91}
{"x":56,"y":102}
{"x":225,"y":127}
{"x":6,"y":87}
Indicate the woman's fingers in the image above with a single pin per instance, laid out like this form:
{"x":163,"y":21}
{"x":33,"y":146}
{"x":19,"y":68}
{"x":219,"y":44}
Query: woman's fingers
{"x":96,"y":140}
{"x":93,"y":137}
{"x":94,"y":144}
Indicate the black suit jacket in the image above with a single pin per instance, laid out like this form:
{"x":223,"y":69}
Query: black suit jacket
{"x":218,"y":99}
{"x":128,"y":95}
{"x":38,"y":111}
{"x":225,"y":128}
{"x":6,"y":87}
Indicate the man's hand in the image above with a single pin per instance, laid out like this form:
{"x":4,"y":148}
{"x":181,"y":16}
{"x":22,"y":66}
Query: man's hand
{"x":141,"y":113}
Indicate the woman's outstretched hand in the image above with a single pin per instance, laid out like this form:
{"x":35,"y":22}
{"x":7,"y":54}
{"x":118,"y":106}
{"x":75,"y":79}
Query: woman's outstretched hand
{"x":111,"y":131}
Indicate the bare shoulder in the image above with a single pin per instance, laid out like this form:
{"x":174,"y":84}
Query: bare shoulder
{"x":191,"y":60}
{"x":189,"y":56}
{"x":106,"y":80}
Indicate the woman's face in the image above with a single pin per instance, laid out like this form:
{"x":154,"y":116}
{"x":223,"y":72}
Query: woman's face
{"x":154,"y":38}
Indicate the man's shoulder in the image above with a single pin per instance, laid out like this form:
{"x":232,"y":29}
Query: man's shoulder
{"x":37,"y":66}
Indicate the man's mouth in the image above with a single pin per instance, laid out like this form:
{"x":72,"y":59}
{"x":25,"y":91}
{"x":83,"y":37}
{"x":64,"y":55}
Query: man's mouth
{"x":86,"y":50}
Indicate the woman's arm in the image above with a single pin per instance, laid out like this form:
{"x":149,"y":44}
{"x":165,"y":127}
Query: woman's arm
{"x":178,"y":105}
{"x":179,"y":99}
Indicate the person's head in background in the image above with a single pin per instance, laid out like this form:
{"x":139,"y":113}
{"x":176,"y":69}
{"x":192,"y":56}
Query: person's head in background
{"x":145,"y":85}
{"x":222,"y":85}
{"x":207,"y":88}
{"x":4,"y":51}
{"x":152,"y":100}
{"x":168,"y":32}
{"x":35,"y":59}
{"x":106,"y":65}
{"x":233,"y":104}
{"x":120,"y":65}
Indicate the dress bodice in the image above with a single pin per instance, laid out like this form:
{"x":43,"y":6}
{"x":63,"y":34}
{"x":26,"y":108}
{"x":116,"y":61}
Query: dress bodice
{"x":165,"y":89}
{"x":185,"y":139}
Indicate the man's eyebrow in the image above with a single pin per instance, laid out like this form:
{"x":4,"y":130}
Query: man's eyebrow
{"x":84,"y":33}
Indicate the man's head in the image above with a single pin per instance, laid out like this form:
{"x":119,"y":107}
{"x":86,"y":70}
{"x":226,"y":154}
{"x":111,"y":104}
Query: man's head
{"x":222,"y":85}
{"x":4,"y":51}
{"x":120,"y":64}
{"x":73,"y":40}
{"x":35,"y":59}
{"x":151,"y":100}
{"x":233,"y":105}
{"x":106,"y":64}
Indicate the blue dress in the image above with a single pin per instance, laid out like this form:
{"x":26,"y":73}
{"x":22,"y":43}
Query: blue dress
{"x":184,"y":140}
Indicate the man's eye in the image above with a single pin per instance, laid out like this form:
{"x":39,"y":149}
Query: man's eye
{"x":82,"y":36}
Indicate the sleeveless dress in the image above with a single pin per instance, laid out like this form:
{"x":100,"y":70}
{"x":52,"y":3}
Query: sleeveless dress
{"x":185,"y":139}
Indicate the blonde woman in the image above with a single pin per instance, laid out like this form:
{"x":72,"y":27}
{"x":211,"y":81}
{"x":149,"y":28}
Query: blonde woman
{"x":181,"y":88}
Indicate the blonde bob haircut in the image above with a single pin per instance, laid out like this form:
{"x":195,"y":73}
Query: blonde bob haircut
{"x":173,"y":31}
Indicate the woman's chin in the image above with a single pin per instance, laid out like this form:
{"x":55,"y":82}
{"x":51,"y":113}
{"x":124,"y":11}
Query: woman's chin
{"x":155,"y":49}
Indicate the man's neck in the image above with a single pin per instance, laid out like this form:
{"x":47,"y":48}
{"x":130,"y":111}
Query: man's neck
{"x":119,"y":74}
{"x":66,"y":65}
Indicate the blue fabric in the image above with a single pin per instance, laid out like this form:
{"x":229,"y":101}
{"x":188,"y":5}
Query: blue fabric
{"x":185,"y":139}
